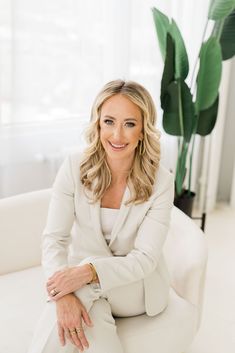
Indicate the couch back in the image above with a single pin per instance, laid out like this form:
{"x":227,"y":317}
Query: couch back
{"x":22,"y":220}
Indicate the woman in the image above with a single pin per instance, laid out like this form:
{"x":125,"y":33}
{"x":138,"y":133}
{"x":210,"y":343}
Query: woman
{"x":107,"y":222}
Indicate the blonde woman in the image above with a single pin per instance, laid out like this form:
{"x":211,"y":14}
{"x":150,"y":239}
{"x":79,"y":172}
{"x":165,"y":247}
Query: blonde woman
{"x":107,"y":222}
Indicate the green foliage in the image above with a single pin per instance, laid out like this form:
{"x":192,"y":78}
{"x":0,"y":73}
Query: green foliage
{"x":186,"y":113}
{"x":162,"y":25}
{"x":207,"y":119}
{"x":209,"y":74}
{"x":220,"y":9}
{"x":227,"y":39}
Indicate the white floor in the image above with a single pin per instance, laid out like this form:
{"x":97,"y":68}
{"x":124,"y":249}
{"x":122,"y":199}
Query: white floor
{"x":217,"y":331}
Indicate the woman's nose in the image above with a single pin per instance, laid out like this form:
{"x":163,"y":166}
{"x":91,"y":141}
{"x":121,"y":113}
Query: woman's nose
{"x":117,"y":132}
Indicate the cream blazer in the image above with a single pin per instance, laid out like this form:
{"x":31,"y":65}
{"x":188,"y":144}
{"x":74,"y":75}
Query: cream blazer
{"x":73,"y":235}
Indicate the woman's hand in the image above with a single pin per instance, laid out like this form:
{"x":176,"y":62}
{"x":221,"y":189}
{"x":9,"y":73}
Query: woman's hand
{"x":68,"y":280}
{"x":70,"y":313}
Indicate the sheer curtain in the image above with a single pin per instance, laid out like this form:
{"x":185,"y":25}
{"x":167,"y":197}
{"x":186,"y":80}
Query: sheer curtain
{"x":55,"y":56}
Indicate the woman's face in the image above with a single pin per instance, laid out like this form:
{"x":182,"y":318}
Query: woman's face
{"x":120,"y":127}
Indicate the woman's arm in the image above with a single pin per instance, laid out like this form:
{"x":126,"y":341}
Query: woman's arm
{"x":70,"y":279}
{"x":61,"y":213}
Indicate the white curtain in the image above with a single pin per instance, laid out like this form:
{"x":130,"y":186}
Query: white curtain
{"x":55,"y":55}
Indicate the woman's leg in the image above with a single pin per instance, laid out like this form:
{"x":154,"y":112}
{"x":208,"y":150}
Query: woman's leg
{"x":102,"y":337}
{"x":127,"y":300}
{"x":120,"y":302}
{"x":46,"y":339}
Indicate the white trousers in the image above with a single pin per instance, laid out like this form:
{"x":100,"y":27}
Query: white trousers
{"x":102,"y":307}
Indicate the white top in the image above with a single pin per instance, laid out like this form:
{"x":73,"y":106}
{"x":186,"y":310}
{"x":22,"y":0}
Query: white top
{"x":108,"y":218}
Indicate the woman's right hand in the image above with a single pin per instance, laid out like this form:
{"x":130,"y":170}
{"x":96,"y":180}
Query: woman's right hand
{"x":70,"y":312}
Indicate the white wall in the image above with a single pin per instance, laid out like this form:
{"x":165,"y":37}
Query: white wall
{"x":228,"y":147}
{"x":31,"y":155}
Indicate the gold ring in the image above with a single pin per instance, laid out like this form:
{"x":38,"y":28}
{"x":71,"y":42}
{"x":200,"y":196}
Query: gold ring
{"x":73,"y":332}
{"x":53,"y":292}
{"x":79,"y":329}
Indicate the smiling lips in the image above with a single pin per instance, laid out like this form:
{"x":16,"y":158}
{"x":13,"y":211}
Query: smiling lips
{"x":117,"y":147}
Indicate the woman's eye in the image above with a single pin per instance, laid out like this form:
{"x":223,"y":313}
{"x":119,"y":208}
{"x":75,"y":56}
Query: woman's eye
{"x":130,"y":124}
{"x":108,"y":121}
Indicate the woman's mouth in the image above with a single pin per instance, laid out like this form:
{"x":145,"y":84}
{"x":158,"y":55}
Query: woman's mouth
{"x":117,"y":147}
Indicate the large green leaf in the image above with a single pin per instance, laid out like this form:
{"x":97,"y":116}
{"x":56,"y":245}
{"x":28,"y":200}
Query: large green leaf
{"x":220,"y":9}
{"x":178,"y":117}
{"x":207,"y":119}
{"x":181,"y":57}
{"x":209,"y":75}
{"x":171,"y":119}
{"x":162,"y":25}
{"x":227,"y":39}
{"x":169,"y":68}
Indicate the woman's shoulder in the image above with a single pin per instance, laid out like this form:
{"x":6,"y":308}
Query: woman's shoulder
{"x":162,"y":171}
{"x":163,"y":178}
{"x":75,"y":157}
{"x":72,"y":161}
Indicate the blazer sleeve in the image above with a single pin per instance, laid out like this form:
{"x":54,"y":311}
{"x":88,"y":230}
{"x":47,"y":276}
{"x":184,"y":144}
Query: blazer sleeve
{"x":60,"y":218}
{"x":143,"y":258}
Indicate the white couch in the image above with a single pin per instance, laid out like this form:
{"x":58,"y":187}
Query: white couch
{"x":22,"y":293}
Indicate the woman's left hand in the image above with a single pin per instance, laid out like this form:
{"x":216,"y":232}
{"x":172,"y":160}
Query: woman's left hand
{"x":68,"y":280}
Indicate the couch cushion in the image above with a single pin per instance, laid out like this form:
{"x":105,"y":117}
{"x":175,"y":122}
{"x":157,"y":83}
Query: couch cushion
{"x":23,"y":298}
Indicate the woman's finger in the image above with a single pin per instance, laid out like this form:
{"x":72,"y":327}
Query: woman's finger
{"x":81,"y":335}
{"x":61,"y":334}
{"x":76,"y":339}
{"x":50,"y":290}
{"x":58,"y":295}
{"x":68,"y":335}
{"x":50,"y":283}
{"x":86,"y":318}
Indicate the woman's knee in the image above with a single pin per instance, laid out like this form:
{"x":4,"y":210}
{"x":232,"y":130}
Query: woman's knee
{"x":87,"y":295}
{"x":101,"y":312}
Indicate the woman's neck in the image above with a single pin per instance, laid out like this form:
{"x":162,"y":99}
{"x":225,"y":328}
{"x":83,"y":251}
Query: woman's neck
{"x":119,"y":170}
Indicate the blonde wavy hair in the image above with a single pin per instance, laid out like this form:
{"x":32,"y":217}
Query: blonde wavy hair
{"x":95,"y":174}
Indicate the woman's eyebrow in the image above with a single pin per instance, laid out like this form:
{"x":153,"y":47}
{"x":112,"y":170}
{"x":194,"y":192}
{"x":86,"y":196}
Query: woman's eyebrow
{"x":112,"y":117}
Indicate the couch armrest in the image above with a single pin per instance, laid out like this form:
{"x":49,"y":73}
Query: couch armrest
{"x":22,"y":220}
{"x":186,"y":253}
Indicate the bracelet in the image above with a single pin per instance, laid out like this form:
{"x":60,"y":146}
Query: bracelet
{"x":94,"y":273}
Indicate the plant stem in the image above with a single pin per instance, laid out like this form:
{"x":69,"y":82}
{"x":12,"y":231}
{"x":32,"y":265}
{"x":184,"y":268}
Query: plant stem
{"x":193,"y":92}
{"x":179,"y":178}
{"x":193,"y":79}
{"x":180,"y":109}
{"x":190,"y":165}
{"x":217,"y":29}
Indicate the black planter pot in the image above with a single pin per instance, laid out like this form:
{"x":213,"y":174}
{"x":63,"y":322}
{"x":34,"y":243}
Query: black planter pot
{"x":185,"y":202}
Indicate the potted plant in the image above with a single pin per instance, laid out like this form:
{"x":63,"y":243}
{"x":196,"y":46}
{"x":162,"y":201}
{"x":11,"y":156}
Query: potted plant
{"x":190,"y":109}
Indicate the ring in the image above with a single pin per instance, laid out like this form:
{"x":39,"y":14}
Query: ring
{"x":79,"y":329}
{"x":53,"y":292}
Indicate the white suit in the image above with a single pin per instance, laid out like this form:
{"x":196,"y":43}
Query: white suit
{"x":134,"y":255}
